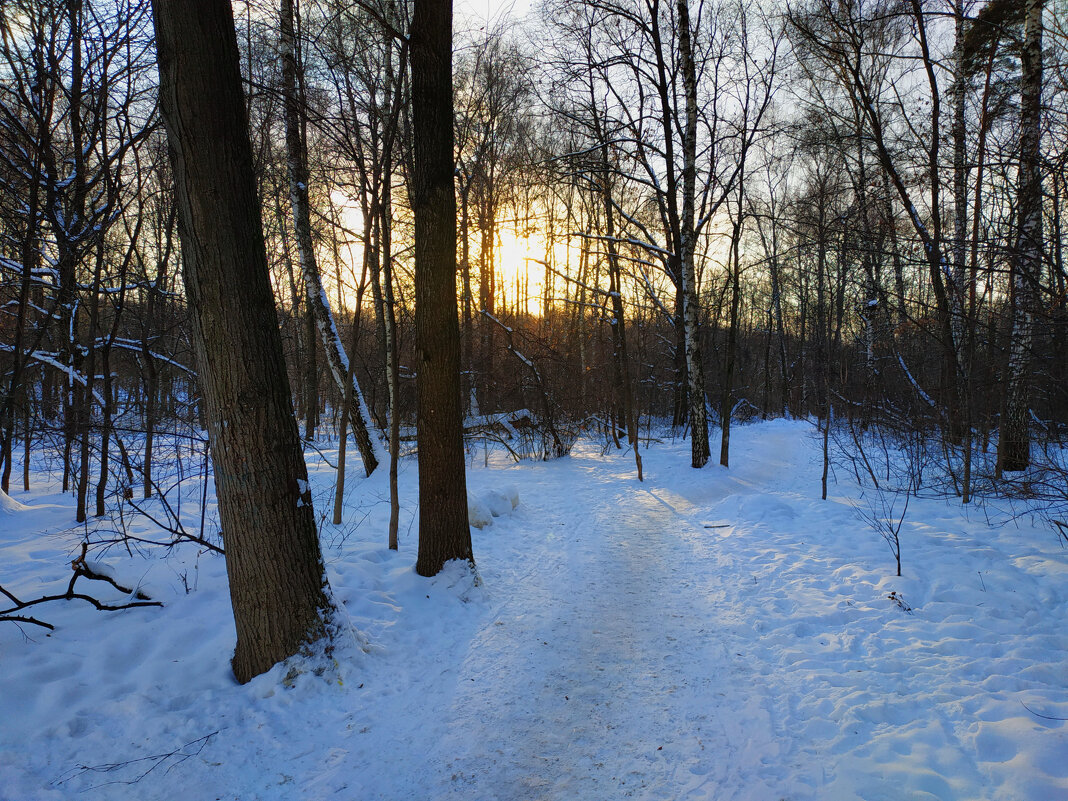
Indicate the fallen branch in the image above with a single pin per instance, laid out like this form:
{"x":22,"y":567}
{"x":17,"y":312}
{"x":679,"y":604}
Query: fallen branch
{"x":81,"y":569}
{"x":21,"y":619}
{"x":1039,"y":714}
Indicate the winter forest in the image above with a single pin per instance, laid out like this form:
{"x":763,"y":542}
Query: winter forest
{"x":574,"y":399}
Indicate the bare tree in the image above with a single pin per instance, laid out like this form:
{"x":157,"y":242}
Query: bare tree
{"x":318,"y":304}
{"x":1014,"y":444}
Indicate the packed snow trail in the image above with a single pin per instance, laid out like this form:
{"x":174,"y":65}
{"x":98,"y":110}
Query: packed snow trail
{"x":629,"y":685}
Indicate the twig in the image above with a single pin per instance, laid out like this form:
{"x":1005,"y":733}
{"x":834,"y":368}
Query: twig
{"x":156,"y":759}
{"x":1038,"y":714}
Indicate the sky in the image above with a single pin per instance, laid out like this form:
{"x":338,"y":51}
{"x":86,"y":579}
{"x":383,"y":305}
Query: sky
{"x":490,"y":9}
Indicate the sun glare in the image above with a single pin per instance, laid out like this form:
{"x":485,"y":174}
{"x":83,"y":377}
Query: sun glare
{"x":521,"y":270}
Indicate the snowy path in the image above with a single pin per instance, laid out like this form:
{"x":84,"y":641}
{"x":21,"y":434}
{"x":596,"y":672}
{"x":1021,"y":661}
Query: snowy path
{"x":627,"y":685}
{"x":710,"y":635}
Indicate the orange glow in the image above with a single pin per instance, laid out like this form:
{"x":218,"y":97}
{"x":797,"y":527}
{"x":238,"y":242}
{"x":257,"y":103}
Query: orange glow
{"x":520,"y":270}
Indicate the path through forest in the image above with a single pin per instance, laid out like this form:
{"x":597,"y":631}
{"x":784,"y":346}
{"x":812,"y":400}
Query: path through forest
{"x":630,"y":683}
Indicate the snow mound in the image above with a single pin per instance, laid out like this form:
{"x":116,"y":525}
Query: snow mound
{"x":478,"y":514}
{"x":9,"y":504}
{"x":483,"y":508}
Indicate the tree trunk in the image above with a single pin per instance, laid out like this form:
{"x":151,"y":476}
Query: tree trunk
{"x":318,"y":305}
{"x":444,"y":533}
{"x":467,"y":361}
{"x":278,"y":587}
{"x":393,"y":361}
{"x":691,"y":304}
{"x":1014,"y":444}
{"x":726,"y":406}
{"x":84,"y":417}
{"x":624,"y":388}
{"x":487,"y":296}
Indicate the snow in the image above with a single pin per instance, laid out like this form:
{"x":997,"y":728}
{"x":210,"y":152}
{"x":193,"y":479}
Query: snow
{"x":9,"y":504}
{"x":490,"y":504}
{"x":706,"y":634}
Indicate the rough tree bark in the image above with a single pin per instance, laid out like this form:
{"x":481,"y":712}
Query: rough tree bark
{"x":444,"y":533}
{"x":278,"y":587}
{"x":1014,"y":444}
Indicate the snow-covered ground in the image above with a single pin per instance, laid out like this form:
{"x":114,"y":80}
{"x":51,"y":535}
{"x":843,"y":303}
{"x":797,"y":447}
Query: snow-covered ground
{"x":708,"y":634}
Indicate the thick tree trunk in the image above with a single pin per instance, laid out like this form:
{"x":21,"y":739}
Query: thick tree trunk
{"x":1014,"y":445}
{"x":444,"y":533}
{"x":278,"y":586}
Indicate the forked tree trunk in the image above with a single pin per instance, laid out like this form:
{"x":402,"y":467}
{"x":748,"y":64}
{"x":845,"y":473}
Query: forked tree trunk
{"x":278,"y":586}
{"x":444,"y":533}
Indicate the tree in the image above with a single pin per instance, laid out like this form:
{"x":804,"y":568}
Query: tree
{"x":278,"y":587}
{"x":494,"y":95}
{"x":444,"y":533}
{"x":1015,"y":441}
{"x":687,"y":245}
{"x":318,"y":306}
{"x":854,"y":43}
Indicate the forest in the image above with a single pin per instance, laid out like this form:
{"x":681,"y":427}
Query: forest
{"x":270,"y":341}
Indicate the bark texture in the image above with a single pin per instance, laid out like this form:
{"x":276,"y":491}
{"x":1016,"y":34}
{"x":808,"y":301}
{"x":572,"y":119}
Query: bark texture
{"x":1014,"y":449}
{"x":444,"y":533}
{"x":277,"y":582}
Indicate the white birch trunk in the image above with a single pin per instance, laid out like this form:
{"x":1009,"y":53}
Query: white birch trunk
{"x":1015,"y":439}
{"x":370,"y":450}
{"x":691,"y":305}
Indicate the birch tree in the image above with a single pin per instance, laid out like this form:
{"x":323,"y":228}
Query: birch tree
{"x":1014,"y":444}
{"x":318,"y":303}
